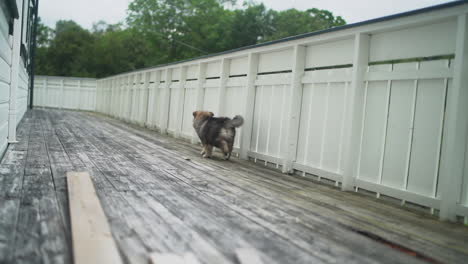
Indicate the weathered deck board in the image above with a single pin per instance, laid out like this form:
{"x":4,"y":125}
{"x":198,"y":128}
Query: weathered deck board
{"x":11,"y":181}
{"x":158,"y":201}
{"x":316,"y":238}
{"x":91,"y":234}
{"x":354,"y":211}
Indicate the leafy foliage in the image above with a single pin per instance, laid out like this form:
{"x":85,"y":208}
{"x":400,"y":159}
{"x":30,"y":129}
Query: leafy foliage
{"x":162,"y":31}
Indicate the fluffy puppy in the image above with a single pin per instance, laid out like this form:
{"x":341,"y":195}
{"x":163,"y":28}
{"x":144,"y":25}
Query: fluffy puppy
{"x":217,"y":132}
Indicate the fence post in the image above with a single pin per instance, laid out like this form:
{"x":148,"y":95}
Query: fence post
{"x":117,"y":105}
{"x":354,"y":108}
{"x":456,"y":122}
{"x":180,"y":101}
{"x":62,"y":97}
{"x":124,"y":82}
{"x":140,"y":102}
{"x":98,"y":95}
{"x":144,"y":98}
{"x":128,"y":115}
{"x":135,"y":95}
{"x":114,"y":97}
{"x":200,"y":94}
{"x":292,"y":134}
{"x":115,"y":110}
{"x":249,"y":100}
{"x":122,"y":97}
{"x":152,"y":99}
{"x":222,"y":86}
{"x":118,"y":101}
{"x":46,"y":99}
{"x":80,"y":94}
{"x":166,"y":97}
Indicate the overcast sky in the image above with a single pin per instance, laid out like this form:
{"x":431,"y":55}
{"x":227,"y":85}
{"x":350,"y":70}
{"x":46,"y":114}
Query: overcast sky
{"x":86,"y":12}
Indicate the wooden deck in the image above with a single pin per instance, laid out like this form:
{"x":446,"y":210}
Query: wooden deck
{"x":160,"y":196}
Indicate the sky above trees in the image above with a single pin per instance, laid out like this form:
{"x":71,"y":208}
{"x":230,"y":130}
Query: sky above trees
{"x":87,"y":12}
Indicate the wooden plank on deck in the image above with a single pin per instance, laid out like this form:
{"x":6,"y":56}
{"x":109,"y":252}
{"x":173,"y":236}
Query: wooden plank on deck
{"x":248,"y":256}
{"x":168,"y":258}
{"x":92,"y":238}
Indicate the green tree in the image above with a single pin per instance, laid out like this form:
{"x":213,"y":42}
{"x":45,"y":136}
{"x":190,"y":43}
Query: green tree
{"x":162,"y":31}
{"x":181,"y":29}
{"x":250,"y":25}
{"x":71,"y":50}
{"x":293,"y":22}
{"x":118,"y":50}
{"x":44,"y":38}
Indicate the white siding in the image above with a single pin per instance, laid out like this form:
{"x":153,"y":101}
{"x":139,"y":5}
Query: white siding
{"x":5,"y":72}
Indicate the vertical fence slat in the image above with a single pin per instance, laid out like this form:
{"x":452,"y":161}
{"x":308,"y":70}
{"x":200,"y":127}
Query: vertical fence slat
{"x":384,"y":136}
{"x":222,"y":86}
{"x":249,"y":101}
{"x":294,"y":112}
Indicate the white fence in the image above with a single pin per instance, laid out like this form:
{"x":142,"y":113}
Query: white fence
{"x":65,"y":92}
{"x":380,"y":106}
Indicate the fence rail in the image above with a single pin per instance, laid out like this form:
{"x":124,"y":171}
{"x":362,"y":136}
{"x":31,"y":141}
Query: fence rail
{"x":379,"y":106}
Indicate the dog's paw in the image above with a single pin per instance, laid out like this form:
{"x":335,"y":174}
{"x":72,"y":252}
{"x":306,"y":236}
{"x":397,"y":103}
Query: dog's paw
{"x":206,"y":156}
{"x":202,"y":152}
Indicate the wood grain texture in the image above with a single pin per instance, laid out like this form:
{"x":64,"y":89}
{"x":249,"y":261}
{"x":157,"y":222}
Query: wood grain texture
{"x":92,"y":237}
{"x":248,"y":256}
{"x":167,"y":258}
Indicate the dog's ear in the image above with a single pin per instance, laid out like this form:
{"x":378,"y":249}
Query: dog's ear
{"x":212,"y":114}
{"x":195,"y":113}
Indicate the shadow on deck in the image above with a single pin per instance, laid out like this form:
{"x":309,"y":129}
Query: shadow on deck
{"x":160,"y":196}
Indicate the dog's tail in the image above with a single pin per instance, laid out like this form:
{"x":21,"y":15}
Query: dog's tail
{"x":237,"y":121}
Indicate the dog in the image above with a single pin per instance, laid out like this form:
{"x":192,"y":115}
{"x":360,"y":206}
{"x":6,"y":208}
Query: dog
{"x":217,"y":132}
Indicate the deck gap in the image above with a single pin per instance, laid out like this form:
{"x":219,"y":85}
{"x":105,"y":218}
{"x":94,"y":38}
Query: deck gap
{"x":395,"y":246}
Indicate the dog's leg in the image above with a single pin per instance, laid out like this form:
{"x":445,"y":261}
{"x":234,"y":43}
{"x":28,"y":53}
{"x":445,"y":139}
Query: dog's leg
{"x":209,"y":150}
{"x":230,"y":146}
{"x":203,"y":150}
{"x":225,"y":150}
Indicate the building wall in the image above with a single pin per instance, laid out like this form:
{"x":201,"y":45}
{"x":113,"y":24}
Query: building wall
{"x":6,"y":46}
{"x":16,"y":34}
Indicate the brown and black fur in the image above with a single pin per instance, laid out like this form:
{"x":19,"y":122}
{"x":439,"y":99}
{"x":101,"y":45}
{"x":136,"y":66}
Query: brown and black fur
{"x":217,"y":132}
